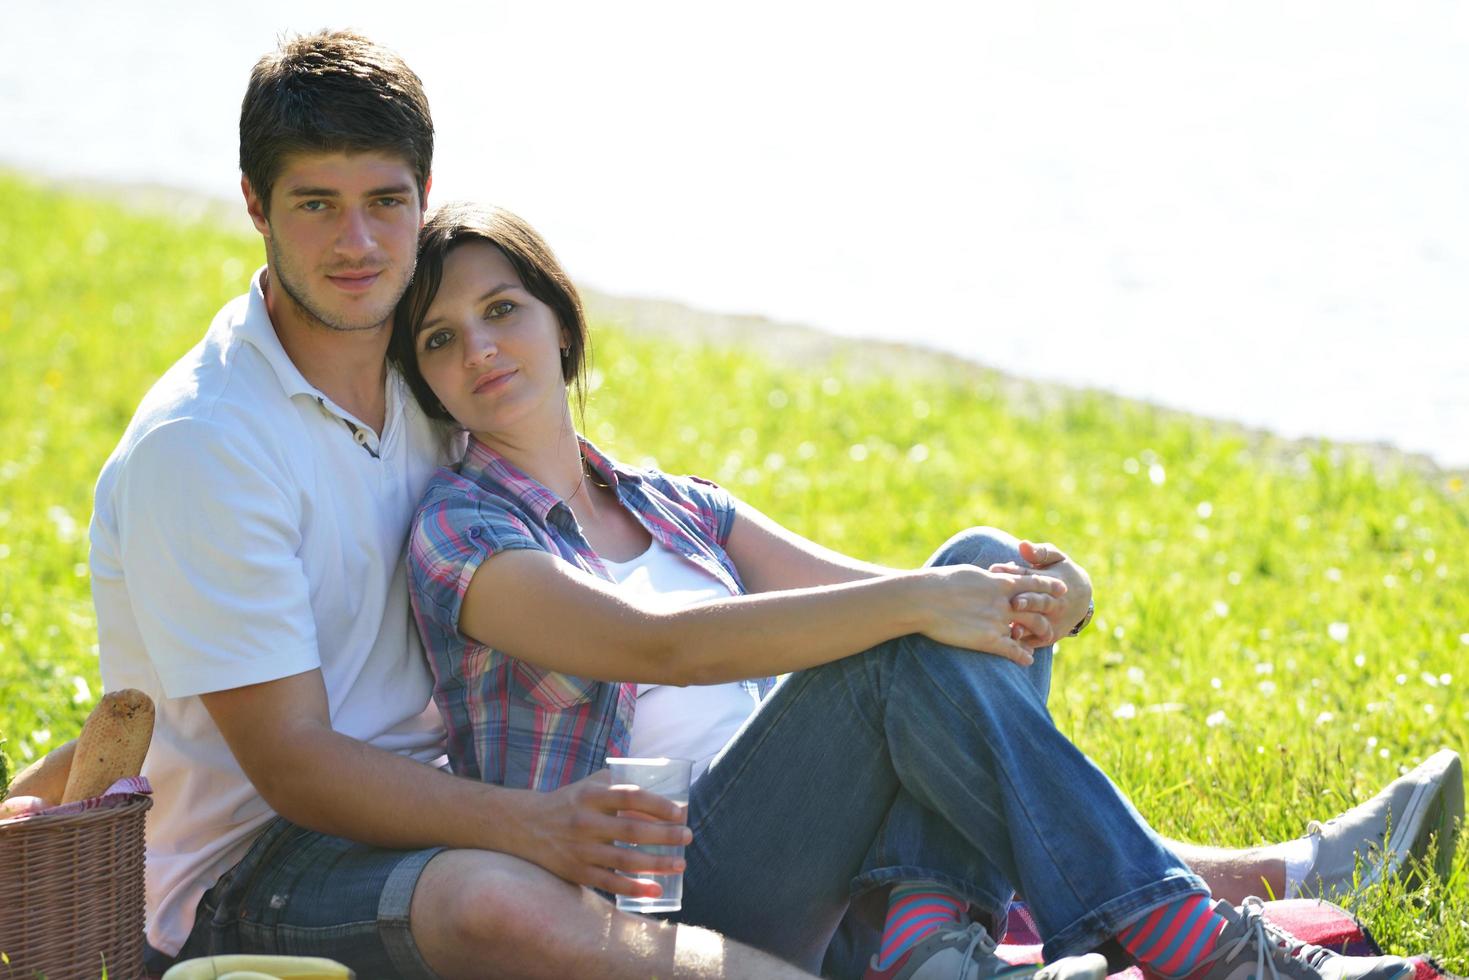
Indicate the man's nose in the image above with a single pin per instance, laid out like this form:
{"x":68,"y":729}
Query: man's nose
{"x":354,"y":234}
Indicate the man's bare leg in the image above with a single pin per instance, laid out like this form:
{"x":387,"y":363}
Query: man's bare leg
{"x":1235,"y":873}
{"x":481,"y":914}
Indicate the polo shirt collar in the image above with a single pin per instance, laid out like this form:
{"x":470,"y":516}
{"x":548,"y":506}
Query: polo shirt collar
{"x":494,"y":472}
{"x":257,"y":331}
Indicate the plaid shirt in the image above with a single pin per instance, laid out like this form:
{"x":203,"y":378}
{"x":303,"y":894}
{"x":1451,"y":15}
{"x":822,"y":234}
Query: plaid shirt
{"x":509,"y":721}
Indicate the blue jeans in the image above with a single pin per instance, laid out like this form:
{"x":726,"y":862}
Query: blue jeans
{"x":299,"y":892}
{"x":916,"y":761}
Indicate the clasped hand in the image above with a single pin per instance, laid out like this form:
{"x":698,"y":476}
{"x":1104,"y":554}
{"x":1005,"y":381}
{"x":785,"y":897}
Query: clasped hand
{"x":1008,"y":609}
{"x":1060,"y":614}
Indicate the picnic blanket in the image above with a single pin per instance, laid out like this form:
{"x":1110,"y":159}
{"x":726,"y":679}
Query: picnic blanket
{"x":1313,"y":921}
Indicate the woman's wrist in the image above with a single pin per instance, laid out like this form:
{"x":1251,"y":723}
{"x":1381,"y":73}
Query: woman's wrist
{"x":912,"y":605}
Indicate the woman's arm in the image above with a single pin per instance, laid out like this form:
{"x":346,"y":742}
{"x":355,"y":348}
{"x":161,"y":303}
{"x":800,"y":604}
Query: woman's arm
{"x":545,"y":611}
{"x":770,"y":556}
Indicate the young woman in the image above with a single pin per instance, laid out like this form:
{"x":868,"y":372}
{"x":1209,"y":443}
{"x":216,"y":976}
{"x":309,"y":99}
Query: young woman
{"x":576,"y":608}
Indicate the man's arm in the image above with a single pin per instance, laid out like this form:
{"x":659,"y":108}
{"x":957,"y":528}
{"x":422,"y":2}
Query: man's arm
{"x":280,"y":732}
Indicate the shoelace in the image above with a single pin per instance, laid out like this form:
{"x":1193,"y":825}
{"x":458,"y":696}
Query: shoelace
{"x":1269,"y":940}
{"x":1308,"y":953}
{"x":978,"y":936}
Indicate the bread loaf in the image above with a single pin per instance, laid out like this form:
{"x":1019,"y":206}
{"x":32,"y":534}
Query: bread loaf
{"x":113,"y":744}
{"x":46,"y":777}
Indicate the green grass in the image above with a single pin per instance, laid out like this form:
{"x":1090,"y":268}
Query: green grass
{"x":1279,"y":630}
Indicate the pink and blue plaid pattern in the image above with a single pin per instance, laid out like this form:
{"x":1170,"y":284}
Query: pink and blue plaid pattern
{"x":509,"y":721}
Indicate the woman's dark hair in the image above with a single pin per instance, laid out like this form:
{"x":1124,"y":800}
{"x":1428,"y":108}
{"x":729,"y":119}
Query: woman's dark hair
{"x":458,"y":223}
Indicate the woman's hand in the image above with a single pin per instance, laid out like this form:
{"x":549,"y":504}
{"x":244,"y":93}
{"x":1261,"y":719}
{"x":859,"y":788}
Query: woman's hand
{"x":972,"y":607}
{"x":1061,"y":616}
{"x":573,"y":829}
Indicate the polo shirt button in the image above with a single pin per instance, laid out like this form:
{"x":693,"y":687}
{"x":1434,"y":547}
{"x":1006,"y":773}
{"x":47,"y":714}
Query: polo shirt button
{"x":361,"y":436}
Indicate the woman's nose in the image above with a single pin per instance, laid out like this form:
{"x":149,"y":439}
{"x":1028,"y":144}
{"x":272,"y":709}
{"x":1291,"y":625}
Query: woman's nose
{"x":482,"y":345}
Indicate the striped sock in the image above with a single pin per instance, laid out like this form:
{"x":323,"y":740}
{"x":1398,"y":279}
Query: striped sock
{"x":1172,"y":940}
{"x":915,"y":912}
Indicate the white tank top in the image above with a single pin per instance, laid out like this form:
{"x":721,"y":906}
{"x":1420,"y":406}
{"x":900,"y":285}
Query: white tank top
{"x":693,"y":722}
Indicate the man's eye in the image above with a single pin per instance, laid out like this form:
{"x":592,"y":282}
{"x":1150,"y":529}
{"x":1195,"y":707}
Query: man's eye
{"x":389,"y":202}
{"x":313,"y":206}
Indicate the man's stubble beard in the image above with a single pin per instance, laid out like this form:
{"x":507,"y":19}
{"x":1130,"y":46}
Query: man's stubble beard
{"x":282,"y":273}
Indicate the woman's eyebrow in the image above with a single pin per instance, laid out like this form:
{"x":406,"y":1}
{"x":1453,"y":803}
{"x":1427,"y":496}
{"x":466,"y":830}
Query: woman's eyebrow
{"x":493,"y":291}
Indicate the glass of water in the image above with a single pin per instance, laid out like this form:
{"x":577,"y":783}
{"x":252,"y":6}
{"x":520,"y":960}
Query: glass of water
{"x":668,"y":778}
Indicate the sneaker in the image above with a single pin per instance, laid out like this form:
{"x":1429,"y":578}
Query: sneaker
{"x":1249,"y":947}
{"x":968,"y":953}
{"x":1425,"y":804}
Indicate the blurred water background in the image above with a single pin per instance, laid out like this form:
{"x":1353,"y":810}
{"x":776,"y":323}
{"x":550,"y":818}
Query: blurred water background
{"x":1253,"y":211}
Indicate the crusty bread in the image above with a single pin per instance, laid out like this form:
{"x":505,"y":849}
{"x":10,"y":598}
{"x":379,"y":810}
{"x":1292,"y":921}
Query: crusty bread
{"x":46,"y":777}
{"x":113,"y":744}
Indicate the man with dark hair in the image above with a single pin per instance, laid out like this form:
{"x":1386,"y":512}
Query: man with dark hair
{"x":247,"y":566}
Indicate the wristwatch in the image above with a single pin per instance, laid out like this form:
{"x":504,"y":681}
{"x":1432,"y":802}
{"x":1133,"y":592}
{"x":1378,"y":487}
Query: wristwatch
{"x":1091,"y":607}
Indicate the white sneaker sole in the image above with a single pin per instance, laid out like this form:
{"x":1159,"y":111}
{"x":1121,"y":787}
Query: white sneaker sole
{"x":1434,"y":809}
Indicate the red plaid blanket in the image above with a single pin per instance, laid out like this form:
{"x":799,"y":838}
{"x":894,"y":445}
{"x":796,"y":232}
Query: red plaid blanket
{"x":117,"y":794}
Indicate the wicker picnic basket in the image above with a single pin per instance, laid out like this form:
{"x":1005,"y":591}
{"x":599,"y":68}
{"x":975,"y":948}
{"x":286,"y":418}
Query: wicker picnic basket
{"x":71,"y":893}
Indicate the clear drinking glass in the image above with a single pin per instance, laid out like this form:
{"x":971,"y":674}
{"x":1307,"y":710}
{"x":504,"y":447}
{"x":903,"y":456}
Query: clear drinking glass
{"x":668,"y":778}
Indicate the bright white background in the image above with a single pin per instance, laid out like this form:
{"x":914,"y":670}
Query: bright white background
{"x":1252,"y":210}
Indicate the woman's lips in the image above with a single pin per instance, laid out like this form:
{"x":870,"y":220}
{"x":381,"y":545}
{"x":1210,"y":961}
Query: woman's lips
{"x":492,"y":380}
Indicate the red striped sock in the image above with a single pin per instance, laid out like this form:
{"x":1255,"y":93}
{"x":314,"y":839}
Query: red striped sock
{"x":915,"y":912}
{"x":1173,"y":939}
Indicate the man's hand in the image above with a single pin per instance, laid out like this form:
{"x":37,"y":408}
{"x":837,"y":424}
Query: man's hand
{"x":1062,"y":614}
{"x":574,"y":832}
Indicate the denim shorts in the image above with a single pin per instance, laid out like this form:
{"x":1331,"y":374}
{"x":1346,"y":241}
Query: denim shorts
{"x":297,"y":892}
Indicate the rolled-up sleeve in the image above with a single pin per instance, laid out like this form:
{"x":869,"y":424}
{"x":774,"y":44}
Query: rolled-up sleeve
{"x":453,"y":534}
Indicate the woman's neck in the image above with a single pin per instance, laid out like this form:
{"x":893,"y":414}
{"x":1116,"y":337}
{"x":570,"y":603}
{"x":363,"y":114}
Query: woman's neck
{"x":551,"y":455}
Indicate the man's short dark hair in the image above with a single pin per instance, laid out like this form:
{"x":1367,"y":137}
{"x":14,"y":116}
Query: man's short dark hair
{"x":332,"y":92}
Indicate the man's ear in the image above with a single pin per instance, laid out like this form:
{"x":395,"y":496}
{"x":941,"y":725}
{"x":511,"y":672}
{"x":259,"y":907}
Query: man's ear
{"x":428,"y":183}
{"x":256,"y":207}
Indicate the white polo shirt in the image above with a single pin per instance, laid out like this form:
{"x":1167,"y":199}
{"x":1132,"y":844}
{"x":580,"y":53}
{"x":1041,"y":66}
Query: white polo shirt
{"x":247,"y":529}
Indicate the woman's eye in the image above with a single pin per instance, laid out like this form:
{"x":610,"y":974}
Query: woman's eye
{"x":436,"y":340}
{"x":502,"y":308}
